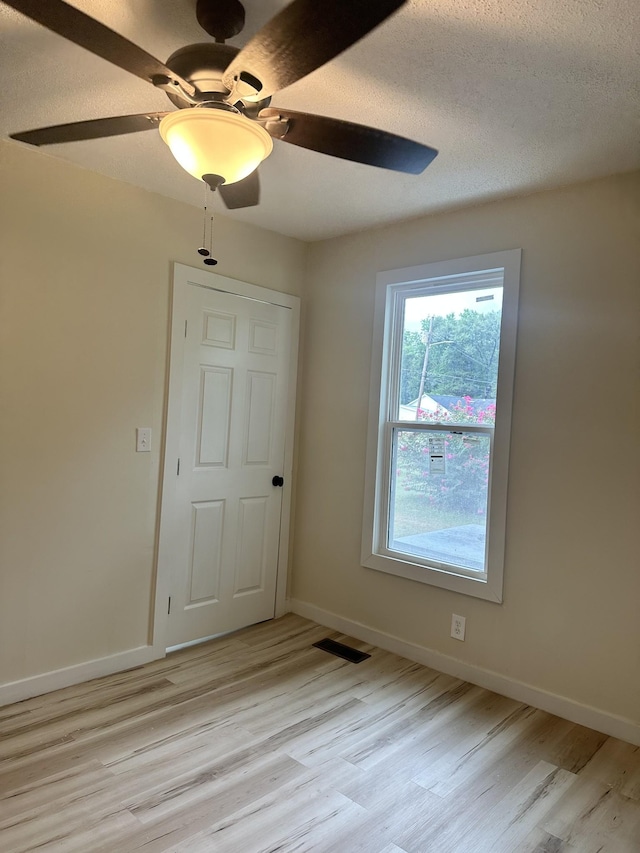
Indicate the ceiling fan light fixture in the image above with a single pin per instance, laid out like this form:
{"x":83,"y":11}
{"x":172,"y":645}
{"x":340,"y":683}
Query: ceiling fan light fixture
{"x":209,"y":141}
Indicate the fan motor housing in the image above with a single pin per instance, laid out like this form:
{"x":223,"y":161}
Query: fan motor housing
{"x":203,"y":65}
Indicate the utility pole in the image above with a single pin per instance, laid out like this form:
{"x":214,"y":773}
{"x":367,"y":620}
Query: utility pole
{"x":425,"y":364}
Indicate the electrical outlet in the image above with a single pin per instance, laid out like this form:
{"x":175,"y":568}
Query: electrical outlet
{"x":458,"y":626}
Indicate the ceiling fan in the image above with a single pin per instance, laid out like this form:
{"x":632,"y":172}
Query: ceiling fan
{"x":224,"y":127}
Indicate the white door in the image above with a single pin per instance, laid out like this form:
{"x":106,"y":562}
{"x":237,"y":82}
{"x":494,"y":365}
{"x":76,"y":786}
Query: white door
{"x":228,"y":408}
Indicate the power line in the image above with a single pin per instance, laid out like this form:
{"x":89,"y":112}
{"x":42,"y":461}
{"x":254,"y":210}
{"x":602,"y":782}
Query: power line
{"x":465,"y":379}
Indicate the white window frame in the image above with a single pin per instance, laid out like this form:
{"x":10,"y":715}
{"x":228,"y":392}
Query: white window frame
{"x":391,"y":289}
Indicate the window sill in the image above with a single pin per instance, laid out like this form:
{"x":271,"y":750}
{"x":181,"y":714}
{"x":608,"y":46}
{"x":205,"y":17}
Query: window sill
{"x":466,"y":584}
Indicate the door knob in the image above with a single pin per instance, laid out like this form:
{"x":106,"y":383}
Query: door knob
{"x":278,"y":481}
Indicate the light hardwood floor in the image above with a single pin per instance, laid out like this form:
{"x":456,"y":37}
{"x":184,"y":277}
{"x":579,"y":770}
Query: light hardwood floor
{"x":260,"y":742}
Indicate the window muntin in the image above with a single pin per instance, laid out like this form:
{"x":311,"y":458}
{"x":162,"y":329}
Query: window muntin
{"x":437,"y":463}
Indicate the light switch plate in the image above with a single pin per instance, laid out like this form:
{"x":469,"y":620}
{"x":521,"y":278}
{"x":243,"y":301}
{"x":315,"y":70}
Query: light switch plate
{"x":143,"y":439}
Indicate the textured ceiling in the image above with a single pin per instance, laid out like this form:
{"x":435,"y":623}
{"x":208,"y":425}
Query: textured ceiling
{"x":516,"y":95}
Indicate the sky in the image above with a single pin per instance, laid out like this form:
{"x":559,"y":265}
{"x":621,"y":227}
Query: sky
{"x":441,"y":304}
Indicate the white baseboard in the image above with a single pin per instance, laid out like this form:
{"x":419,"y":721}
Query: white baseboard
{"x":585,"y":715}
{"x":16,"y":691}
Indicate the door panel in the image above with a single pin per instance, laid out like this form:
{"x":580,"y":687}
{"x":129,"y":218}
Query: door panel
{"x":233,"y":416}
{"x":261,"y":394}
{"x":206,"y":550}
{"x":252,"y":537}
{"x":219,"y":330}
{"x":214,"y":414}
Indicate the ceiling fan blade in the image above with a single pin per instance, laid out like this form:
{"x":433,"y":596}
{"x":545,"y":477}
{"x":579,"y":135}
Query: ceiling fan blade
{"x":350,"y":141}
{"x":81,"y":29}
{"x":301,"y":38}
{"x":244,"y":193}
{"x":96,"y":128}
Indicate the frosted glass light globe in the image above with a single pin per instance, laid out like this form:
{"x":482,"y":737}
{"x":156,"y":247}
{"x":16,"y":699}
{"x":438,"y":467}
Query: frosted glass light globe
{"x":208,"y":141}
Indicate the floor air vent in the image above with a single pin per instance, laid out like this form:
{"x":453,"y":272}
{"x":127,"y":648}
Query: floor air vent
{"x":342,"y":651}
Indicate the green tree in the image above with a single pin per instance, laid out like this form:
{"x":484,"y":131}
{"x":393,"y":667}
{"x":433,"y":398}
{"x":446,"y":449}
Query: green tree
{"x":462,"y":358}
{"x":413,"y":347}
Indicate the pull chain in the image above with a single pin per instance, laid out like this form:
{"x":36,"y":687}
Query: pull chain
{"x":210,"y":262}
{"x":203,"y":248}
{"x":206,"y":253}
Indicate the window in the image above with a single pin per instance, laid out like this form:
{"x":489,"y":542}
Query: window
{"x":440,"y":420}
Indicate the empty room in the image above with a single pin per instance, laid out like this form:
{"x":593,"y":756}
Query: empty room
{"x":320,"y":406}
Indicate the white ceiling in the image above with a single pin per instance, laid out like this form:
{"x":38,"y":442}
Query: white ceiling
{"x":517,"y":95}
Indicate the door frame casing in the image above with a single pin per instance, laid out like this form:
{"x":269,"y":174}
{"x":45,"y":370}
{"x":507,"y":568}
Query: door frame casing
{"x":183,"y":278}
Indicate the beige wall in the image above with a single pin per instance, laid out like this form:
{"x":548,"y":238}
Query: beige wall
{"x":569,"y":623}
{"x":85,"y":267}
{"x":85,"y":275}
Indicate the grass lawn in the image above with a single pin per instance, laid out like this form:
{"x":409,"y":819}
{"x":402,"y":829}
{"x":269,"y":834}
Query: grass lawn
{"x":414,"y":514}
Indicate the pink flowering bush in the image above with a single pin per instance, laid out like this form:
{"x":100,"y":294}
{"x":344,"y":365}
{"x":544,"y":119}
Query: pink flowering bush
{"x":463,"y":487}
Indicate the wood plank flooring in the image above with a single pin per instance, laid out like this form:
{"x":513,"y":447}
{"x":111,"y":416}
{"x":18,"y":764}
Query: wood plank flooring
{"x":259,"y":742}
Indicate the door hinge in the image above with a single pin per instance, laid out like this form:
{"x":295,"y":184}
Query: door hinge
{"x":169,"y":606}
{"x":178,"y":469}
{"x":185,"y":328}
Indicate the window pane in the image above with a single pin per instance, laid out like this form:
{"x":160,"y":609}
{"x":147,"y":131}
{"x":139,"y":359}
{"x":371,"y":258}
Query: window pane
{"x":439,"y":489}
{"x":450,"y":349}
